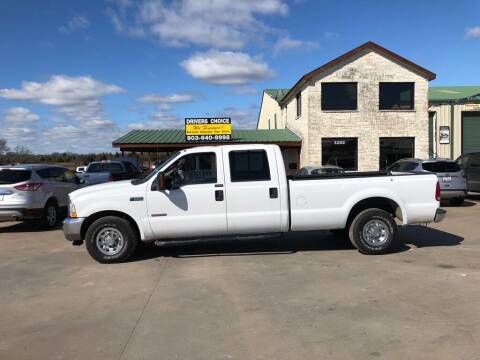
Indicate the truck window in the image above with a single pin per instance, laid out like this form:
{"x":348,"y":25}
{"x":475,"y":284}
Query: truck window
{"x":199,"y":168}
{"x":249,"y":165}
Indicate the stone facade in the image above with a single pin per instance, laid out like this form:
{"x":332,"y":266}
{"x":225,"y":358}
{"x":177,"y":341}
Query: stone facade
{"x":368,"y":68}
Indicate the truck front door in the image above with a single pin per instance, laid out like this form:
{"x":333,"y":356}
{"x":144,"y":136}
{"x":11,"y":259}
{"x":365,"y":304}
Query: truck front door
{"x":193,"y":203}
{"x":252,"y":191}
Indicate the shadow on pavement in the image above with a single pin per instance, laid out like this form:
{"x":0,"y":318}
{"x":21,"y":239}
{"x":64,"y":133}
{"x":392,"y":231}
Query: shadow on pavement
{"x":416,"y":235}
{"x":423,"y":236}
{"x":466,"y":203}
{"x":26,"y":227}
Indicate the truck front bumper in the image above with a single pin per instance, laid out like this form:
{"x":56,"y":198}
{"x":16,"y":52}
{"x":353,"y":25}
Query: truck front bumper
{"x":439,"y":215}
{"x":72,"y":229}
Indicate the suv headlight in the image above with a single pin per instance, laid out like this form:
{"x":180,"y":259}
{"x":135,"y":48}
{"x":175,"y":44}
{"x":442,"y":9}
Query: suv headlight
{"x":72,"y":212}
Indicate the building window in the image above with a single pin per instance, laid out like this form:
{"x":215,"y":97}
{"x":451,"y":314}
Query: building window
{"x":393,"y":149}
{"x":341,"y":152}
{"x":269,"y":126}
{"x":275,"y":120}
{"x":249,"y":165}
{"x":299,"y":104}
{"x":396,"y":96}
{"x":339,"y":96}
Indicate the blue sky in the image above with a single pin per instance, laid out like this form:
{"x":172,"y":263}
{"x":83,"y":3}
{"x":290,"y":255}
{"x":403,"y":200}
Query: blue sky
{"x":77,"y":74}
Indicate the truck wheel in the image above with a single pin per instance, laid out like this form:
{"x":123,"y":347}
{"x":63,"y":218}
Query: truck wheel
{"x":111,"y":239}
{"x":373,"y":231}
{"x":50,"y":215}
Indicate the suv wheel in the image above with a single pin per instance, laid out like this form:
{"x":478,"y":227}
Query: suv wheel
{"x":373,"y":231}
{"x":111,"y":239}
{"x":50,"y":215}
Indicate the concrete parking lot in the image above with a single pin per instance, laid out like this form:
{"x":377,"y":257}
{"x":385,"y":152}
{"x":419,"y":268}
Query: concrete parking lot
{"x":309,"y":296}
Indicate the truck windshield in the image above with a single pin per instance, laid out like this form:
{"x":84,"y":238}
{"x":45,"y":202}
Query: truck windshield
{"x":13,"y":176}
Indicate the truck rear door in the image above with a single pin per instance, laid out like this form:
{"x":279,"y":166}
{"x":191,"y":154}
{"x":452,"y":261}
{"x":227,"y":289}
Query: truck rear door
{"x":252,"y":191}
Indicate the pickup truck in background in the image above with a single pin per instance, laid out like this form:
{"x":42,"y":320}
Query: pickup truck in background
{"x":242,"y":191}
{"x":99,"y":172}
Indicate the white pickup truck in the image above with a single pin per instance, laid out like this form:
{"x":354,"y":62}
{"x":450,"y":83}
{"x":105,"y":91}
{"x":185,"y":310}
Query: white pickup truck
{"x":243,"y":191}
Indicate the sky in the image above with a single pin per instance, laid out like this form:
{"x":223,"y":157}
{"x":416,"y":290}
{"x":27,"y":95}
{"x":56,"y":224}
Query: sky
{"x":75,"y":75}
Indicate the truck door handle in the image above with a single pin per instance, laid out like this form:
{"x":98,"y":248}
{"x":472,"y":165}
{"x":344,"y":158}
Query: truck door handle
{"x":218,"y":195}
{"x":273,"y":193}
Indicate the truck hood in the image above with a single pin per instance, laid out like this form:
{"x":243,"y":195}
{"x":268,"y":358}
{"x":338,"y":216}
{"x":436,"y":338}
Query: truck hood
{"x":103,"y":189}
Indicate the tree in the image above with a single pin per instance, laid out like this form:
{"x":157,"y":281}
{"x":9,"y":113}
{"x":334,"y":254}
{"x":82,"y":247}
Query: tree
{"x":3,"y":146}
{"x":22,"y":150}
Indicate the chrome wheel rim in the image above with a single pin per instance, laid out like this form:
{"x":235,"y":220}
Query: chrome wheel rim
{"x":51,"y":215}
{"x":375,"y":232}
{"x":109,"y":241}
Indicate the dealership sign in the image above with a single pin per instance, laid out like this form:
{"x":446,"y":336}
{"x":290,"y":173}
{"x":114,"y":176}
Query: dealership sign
{"x":208,"y":129}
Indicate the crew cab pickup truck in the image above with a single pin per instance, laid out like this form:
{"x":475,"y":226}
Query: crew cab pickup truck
{"x":243,"y":191}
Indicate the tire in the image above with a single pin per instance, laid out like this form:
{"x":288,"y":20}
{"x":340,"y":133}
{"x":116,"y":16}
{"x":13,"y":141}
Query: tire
{"x":458,"y":201}
{"x":50,"y":216}
{"x":111,"y":239}
{"x":373,"y":231}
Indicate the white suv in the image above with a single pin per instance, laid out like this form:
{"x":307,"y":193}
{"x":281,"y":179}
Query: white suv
{"x":35,"y":192}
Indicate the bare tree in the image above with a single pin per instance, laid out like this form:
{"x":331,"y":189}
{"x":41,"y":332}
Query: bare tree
{"x":3,"y":146}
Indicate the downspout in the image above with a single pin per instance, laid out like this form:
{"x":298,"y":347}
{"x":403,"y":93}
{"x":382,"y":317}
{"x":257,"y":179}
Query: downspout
{"x":452,"y":133}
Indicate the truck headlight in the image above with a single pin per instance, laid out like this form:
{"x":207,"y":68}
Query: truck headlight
{"x":72,"y":212}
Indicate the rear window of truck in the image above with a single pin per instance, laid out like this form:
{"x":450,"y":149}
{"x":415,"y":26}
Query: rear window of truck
{"x":13,"y":176}
{"x":249,"y":165}
{"x":441,"y":166}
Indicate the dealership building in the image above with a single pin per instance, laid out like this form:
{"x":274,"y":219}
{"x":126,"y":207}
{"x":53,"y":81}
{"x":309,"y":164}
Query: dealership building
{"x":370,"y":107}
{"x":362,"y":111}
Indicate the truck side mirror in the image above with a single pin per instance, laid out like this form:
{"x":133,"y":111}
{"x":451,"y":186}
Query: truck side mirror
{"x":161,"y":181}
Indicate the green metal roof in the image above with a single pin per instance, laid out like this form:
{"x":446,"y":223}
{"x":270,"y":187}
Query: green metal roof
{"x":178,"y":136}
{"x":276,"y":94}
{"x":453,"y":93}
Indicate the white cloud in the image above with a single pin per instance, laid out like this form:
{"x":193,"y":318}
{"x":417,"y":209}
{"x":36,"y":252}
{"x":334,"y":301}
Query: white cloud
{"x":226,"y":68}
{"x":76,"y":97}
{"x":242,"y":90}
{"x":473,"y":32}
{"x":82,"y":126}
{"x":286,"y":43}
{"x":78,"y":22}
{"x":241,"y":118}
{"x":215,"y":23}
{"x":166,"y":99}
{"x":19,"y":115}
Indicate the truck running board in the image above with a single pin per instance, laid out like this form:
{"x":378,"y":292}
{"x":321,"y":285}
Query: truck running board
{"x":217,"y":238}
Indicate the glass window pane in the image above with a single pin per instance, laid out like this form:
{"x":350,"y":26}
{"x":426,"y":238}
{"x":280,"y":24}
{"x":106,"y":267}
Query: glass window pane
{"x":339,"y":96}
{"x":250,"y":165}
{"x":396,"y":96}
{"x":394,"y":149}
{"x":10,"y":176}
{"x":340,"y":152}
{"x":198,"y":168}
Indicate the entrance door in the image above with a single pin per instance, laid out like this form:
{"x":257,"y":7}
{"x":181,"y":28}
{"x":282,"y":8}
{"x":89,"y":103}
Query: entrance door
{"x":193,"y":205}
{"x":393,"y":149}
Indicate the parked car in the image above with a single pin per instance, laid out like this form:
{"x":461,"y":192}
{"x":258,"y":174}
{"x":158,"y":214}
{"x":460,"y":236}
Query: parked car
{"x":451,"y":176}
{"x":320,"y":170}
{"x":80,"y":169}
{"x":471,"y":165}
{"x":240,"y":191}
{"x":99,"y":172}
{"x":35,"y":192}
